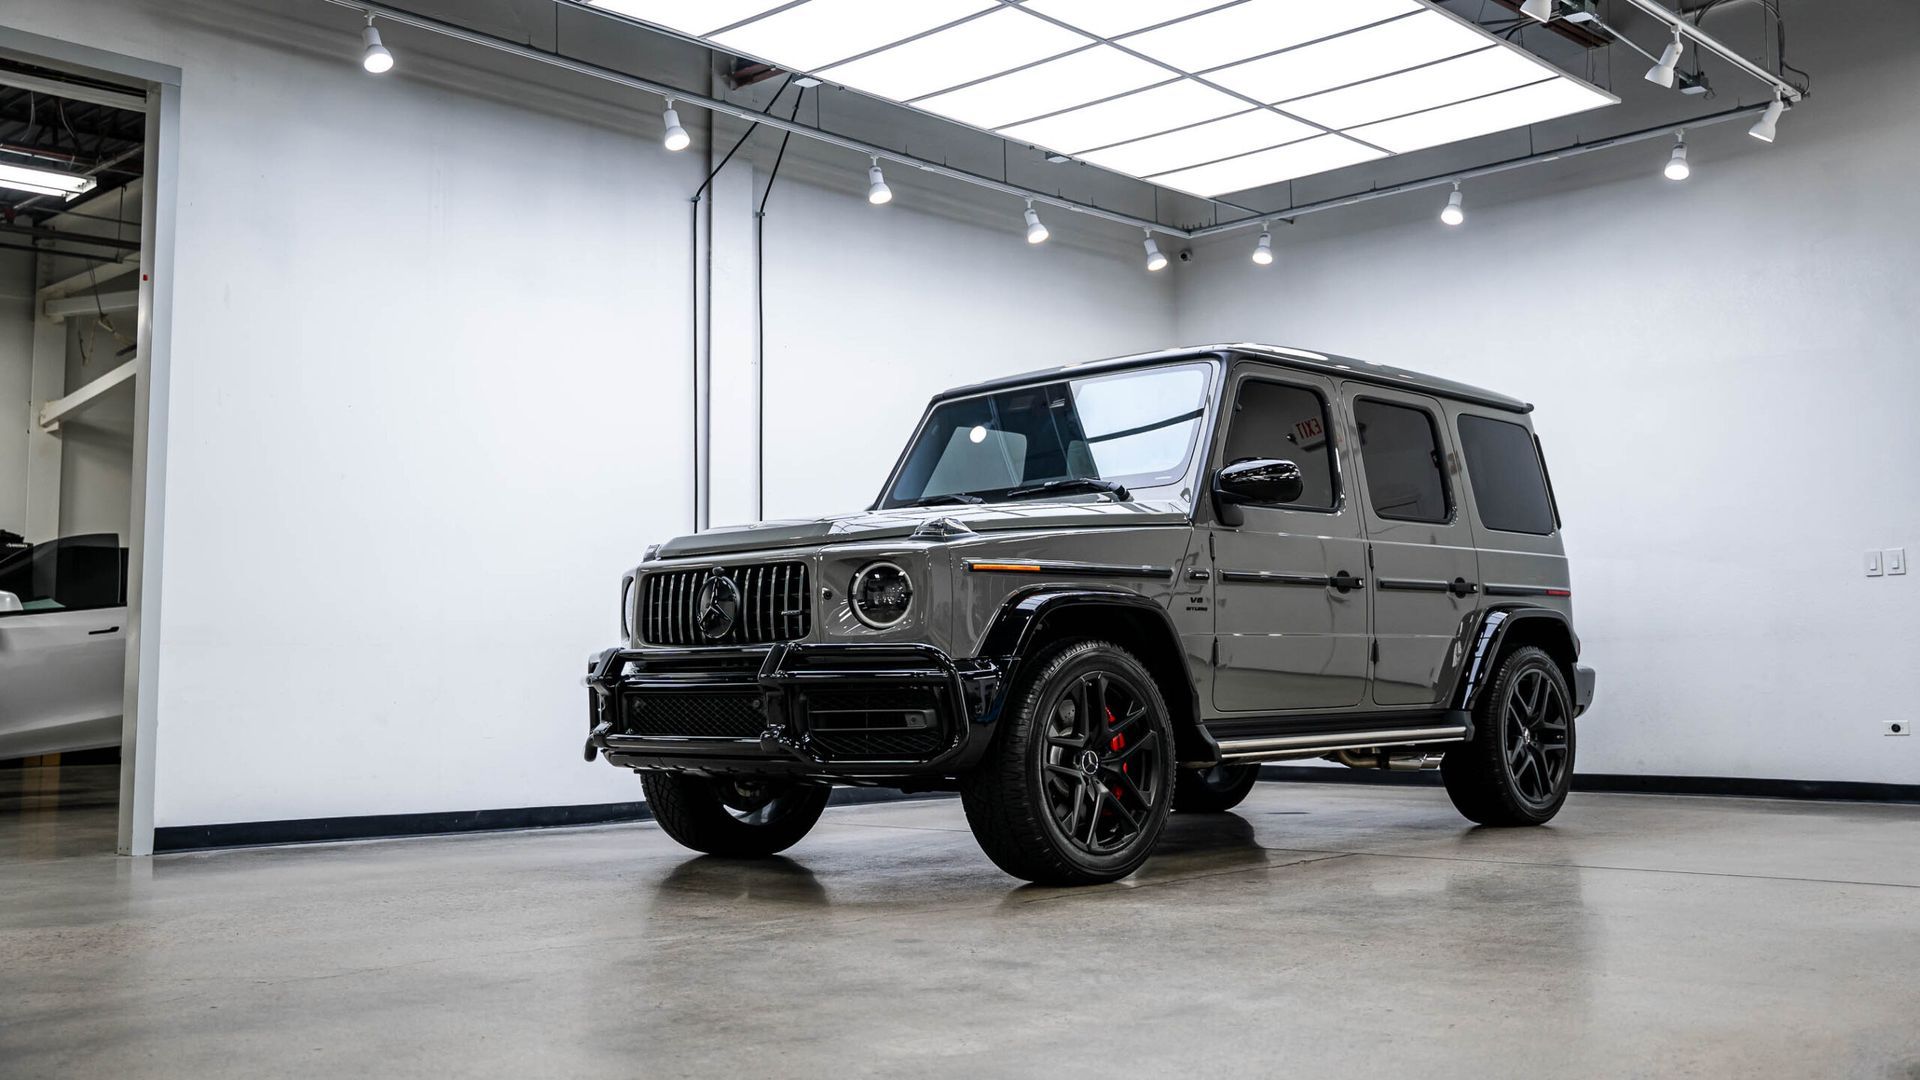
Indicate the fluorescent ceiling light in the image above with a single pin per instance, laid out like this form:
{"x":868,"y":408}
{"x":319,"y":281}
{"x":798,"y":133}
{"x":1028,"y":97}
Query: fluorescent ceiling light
{"x":1482,"y":116}
{"x":45,"y":181}
{"x":1073,"y":79}
{"x":1488,"y":71}
{"x":1395,"y":46}
{"x":820,"y":32}
{"x":1269,"y":166}
{"x":1111,"y":18}
{"x":1211,"y":141}
{"x":697,"y":17}
{"x":1235,"y":33}
{"x":1131,"y":117}
{"x":993,"y":43}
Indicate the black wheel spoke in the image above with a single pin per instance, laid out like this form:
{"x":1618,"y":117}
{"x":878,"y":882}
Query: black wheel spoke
{"x":1133,"y":750}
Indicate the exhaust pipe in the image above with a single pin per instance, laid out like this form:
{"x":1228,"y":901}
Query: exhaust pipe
{"x":1380,"y":759}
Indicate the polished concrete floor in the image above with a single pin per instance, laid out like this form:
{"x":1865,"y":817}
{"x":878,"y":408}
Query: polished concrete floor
{"x":1322,"y":930}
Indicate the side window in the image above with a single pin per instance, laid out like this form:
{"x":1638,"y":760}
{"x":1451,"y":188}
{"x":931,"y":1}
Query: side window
{"x":1287,"y":423}
{"x":1401,"y":449}
{"x":1509,"y":487}
{"x":72,"y":573}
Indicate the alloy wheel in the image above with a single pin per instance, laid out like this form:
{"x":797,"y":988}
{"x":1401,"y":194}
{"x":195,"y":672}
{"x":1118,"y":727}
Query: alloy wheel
{"x":1534,"y":718}
{"x":1100,"y":764}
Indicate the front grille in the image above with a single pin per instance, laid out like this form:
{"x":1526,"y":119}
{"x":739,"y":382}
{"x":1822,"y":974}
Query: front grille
{"x":774,"y":605}
{"x":882,"y":725}
{"x":703,"y":715}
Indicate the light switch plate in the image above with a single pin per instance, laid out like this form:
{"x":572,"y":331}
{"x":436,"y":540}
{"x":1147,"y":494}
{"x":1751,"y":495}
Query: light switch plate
{"x":1873,"y":564}
{"x":1897,"y":727}
{"x":1896,"y":560}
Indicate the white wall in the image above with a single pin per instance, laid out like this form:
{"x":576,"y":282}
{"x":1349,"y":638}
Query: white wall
{"x":1726,"y":378}
{"x":431,"y":394}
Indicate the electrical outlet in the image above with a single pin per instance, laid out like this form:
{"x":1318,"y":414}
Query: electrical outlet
{"x":1873,"y":564}
{"x":1897,"y":727}
{"x":1896,"y":560}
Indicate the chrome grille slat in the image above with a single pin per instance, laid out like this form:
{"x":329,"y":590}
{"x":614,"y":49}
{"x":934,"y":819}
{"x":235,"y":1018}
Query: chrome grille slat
{"x":773,"y":605}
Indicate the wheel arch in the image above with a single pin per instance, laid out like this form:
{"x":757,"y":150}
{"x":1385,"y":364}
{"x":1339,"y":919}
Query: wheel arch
{"x":1032,"y":621}
{"x":1503,"y":629}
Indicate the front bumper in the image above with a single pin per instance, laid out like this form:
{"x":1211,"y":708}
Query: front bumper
{"x":849,"y":713}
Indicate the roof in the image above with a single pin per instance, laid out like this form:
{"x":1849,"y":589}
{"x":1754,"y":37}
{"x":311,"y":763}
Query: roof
{"x":1338,"y":367}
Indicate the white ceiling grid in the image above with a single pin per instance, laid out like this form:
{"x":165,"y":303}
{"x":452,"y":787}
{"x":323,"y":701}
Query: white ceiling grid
{"x":1201,"y":96}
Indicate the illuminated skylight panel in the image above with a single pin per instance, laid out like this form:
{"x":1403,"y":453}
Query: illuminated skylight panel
{"x":820,"y":32}
{"x":1379,"y":50}
{"x":1303,"y":158}
{"x":1546,"y":100}
{"x":1111,"y":18}
{"x":1211,"y":141}
{"x":697,"y":17}
{"x":1235,"y":33}
{"x":1146,"y":112}
{"x":1473,"y":75}
{"x":1073,"y":79}
{"x":996,"y":42}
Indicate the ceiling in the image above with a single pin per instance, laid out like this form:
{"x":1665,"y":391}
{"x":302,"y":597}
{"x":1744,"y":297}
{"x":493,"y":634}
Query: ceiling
{"x":1199,"y":96}
{"x":43,"y":130}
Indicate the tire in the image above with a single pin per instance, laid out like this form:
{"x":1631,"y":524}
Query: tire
{"x":742,"y":817}
{"x":1087,"y":745}
{"x":1213,"y":791}
{"x":1519,"y":765}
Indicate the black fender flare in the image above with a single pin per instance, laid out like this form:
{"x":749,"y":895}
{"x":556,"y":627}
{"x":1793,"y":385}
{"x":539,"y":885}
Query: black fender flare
{"x":1010,"y":638}
{"x":1489,"y":634}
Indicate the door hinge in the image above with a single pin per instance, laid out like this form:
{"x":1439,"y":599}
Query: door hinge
{"x":1214,"y":658}
{"x":1376,"y":650}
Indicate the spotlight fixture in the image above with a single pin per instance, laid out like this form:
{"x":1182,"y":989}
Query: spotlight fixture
{"x":1762,"y":128}
{"x":1263,"y":249}
{"x":878,"y":193}
{"x":677,"y":138}
{"x":1455,"y":211}
{"x":1677,"y":167}
{"x":1036,"y":232}
{"x":1539,"y":10}
{"x":1155,"y":260}
{"x":376,"y":59}
{"x":1662,"y":73}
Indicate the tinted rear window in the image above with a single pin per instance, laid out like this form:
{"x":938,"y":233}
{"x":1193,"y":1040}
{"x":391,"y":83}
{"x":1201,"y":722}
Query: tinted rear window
{"x":1401,"y":451}
{"x":1509,"y":488}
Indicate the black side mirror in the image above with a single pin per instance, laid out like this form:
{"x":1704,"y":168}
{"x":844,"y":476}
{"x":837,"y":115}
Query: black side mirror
{"x":1259,"y":482}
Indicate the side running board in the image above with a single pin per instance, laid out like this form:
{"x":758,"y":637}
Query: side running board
{"x":1280,"y":747}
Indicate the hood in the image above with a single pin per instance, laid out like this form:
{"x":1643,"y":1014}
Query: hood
{"x":1076,"y":513}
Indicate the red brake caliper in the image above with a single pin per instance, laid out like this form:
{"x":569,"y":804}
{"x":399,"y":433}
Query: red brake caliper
{"x":1116,"y":744}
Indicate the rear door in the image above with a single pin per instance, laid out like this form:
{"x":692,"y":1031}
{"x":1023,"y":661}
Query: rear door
{"x":1290,"y":629}
{"x":1424,"y":580}
{"x":1515,"y":521}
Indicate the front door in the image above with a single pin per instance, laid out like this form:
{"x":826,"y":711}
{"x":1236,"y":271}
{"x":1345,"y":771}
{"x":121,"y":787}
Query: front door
{"x":1425,"y":572}
{"x":1290,"y":608}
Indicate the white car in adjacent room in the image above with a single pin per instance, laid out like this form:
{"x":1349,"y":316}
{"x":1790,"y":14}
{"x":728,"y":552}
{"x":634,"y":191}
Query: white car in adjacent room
{"x":63,"y":615}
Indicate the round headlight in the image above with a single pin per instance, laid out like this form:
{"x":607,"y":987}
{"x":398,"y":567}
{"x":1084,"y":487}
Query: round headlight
{"x":880,"y":595}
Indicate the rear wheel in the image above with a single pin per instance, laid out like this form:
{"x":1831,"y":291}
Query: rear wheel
{"x":737,"y":816}
{"x":1076,"y":789}
{"x":1519,"y":766}
{"x":1213,"y":791}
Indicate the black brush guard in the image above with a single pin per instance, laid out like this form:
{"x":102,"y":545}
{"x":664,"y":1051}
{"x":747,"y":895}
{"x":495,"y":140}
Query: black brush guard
{"x":962,"y":696}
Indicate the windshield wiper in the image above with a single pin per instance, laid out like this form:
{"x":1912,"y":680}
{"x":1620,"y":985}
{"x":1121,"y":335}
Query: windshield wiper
{"x":948,"y":500}
{"x":1072,"y":483}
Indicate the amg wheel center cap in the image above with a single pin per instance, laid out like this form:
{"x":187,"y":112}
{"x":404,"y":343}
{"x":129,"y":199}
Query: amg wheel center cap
{"x":717,"y":604}
{"x":1089,"y":762}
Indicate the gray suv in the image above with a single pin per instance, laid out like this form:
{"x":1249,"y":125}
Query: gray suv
{"x":1091,"y":596}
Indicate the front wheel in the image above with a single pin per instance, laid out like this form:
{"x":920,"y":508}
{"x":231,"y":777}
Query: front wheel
{"x":738,"y":816}
{"x":1519,"y":766}
{"x":1215,"y":790}
{"x":1076,"y":789}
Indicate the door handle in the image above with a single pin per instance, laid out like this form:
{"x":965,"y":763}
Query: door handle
{"x":1344,"y":583}
{"x":1462,"y":587}
{"x":96,"y":633}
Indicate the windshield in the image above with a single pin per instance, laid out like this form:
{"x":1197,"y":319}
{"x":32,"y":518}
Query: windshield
{"x":1132,"y":428}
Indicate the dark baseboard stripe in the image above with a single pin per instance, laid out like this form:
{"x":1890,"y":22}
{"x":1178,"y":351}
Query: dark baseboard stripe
{"x":383,"y":826}
{"x":1738,"y":786}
